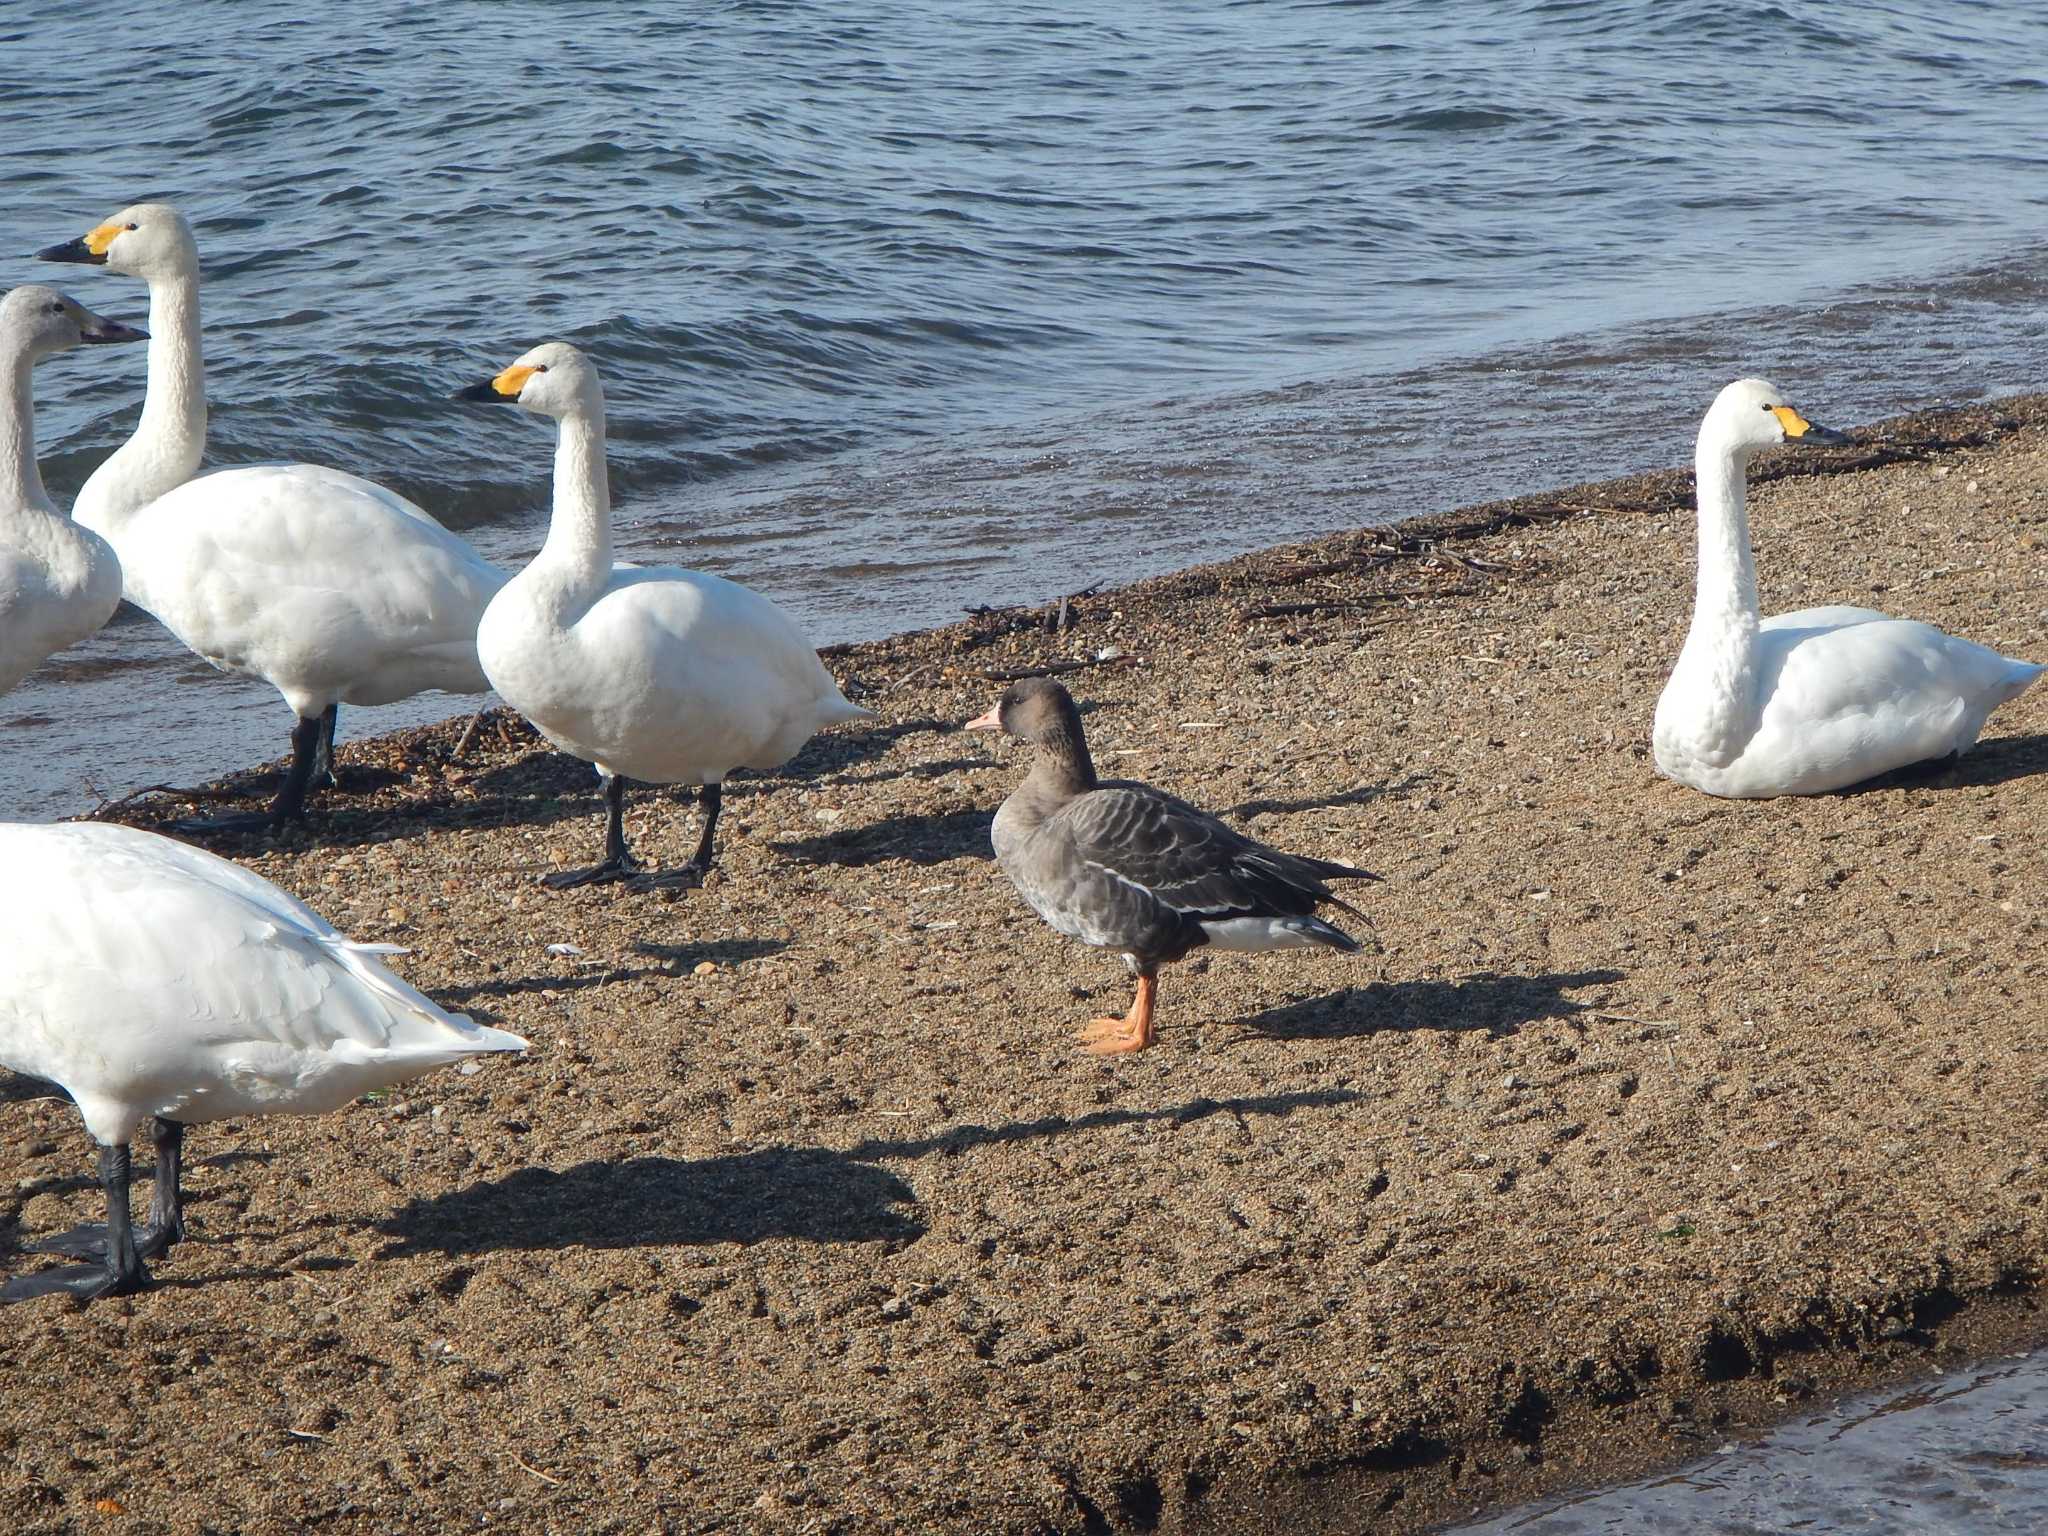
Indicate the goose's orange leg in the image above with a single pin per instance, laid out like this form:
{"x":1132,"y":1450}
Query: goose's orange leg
{"x":1111,"y":1037}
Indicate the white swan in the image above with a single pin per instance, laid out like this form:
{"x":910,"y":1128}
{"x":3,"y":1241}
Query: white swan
{"x":58,"y":582}
{"x":650,"y":672}
{"x":1807,"y":702}
{"x":330,"y":588}
{"x":152,"y":980}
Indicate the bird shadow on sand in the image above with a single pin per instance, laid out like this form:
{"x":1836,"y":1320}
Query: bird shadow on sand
{"x":913,"y":839}
{"x":342,"y":820}
{"x":938,"y":768}
{"x":17,"y":1089}
{"x":805,"y":1193}
{"x":964,"y":1138}
{"x":809,"y":1194}
{"x":1994,"y":760}
{"x":672,"y":960}
{"x":1365,"y":794}
{"x":1488,"y":1001}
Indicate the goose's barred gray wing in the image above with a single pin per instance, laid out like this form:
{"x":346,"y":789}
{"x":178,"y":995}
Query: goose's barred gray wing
{"x":1143,"y":871}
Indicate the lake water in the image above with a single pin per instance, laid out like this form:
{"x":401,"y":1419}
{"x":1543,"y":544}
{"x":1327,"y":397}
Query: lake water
{"x":1965,"y":1454}
{"x":906,"y":308}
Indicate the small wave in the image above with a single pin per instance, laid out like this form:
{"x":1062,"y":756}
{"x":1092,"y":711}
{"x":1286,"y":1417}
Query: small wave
{"x":598,"y":152}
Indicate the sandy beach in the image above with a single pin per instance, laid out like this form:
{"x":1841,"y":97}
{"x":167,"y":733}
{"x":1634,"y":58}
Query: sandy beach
{"x":1651,"y":1117}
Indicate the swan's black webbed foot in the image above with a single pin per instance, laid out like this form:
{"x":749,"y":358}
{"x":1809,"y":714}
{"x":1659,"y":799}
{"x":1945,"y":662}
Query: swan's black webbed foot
{"x":624,"y":868}
{"x":120,"y":1274}
{"x":689,"y":876}
{"x":166,"y":1206}
{"x":87,"y":1282}
{"x":618,"y":864}
{"x":684,"y":877}
{"x":243,"y":824}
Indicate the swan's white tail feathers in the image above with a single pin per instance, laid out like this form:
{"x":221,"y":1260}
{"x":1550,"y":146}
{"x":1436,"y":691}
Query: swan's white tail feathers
{"x":418,"y":1026}
{"x":493,"y":1039}
{"x":840,"y":710}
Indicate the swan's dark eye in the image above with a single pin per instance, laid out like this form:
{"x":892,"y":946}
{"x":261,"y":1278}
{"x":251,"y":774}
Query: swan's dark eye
{"x":135,"y":226}
{"x":540,"y":367}
{"x":1770,"y":407}
{"x":57,"y":308}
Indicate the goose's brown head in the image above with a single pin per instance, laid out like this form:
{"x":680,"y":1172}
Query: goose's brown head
{"x":1035,"y":709}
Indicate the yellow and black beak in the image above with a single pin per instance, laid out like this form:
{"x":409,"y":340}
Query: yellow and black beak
{"x":72,"y":250}
{"x":1803,"y":432}
{"x":502,"y":390}
{"x":89,"y":249}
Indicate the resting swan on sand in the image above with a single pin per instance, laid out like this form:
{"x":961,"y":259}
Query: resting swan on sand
{"x":1807,"y":702}
{"x":58,"y":582}
{"x":650,"y":672}
{"x":154,"y":981}
{"x":328,"y":587}
{"x":1132,"y":868}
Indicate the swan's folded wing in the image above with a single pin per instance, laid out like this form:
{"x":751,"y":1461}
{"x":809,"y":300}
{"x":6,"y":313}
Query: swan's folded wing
{"x":184,"y":952}
{"x":244,"y":561}
{"x":1898,"y":669}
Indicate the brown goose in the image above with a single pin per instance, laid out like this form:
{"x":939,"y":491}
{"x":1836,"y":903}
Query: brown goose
{"x":1129,"y":867}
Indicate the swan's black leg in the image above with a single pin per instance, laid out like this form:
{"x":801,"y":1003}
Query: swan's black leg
{"x":166,"y":1200}
{"x":121,"y":1274}
{"x":166,"y":1207}
{"x":688,"y":877}
{"x":712,"y":798}
{"x":290,"y":804}
{"x":618,"y":863}
{"x":323,"y":751}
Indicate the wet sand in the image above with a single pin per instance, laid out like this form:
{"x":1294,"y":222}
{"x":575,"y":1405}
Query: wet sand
{"x":1652,"y":1117}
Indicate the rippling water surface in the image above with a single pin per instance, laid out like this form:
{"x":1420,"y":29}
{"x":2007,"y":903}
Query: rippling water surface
{"x":1963,"y":1455}
{"x":905,"y":308}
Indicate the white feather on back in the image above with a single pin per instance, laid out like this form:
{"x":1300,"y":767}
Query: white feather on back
{"x":327,"y":586}
{"x":149,"y":977}
{"x":668,"y":676}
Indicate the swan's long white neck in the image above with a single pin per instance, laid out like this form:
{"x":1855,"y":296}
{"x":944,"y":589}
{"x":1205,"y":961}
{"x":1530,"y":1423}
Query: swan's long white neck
{"x":1724,"y":594}
{"x":21,"y":483}
{"x":1718,"y":664}
{"x":169,"y":440}
{"x":576,"y":561}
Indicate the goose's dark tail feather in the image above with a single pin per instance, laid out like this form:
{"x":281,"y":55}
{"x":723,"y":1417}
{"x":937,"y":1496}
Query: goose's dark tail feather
{"x":1323,"y":933}
{"x":1328,"y":869}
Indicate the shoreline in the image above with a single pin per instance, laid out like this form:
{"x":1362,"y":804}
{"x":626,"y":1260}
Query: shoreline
{"x":1656,"y":1118}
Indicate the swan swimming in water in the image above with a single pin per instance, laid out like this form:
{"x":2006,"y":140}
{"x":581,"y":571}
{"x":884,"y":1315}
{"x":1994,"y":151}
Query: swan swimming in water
{"x":58,"y":582}
{"x":650,"y":672}
{"x":152,"y":980}
{"x":1807,"y":702}
{"x":330,"y":588}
